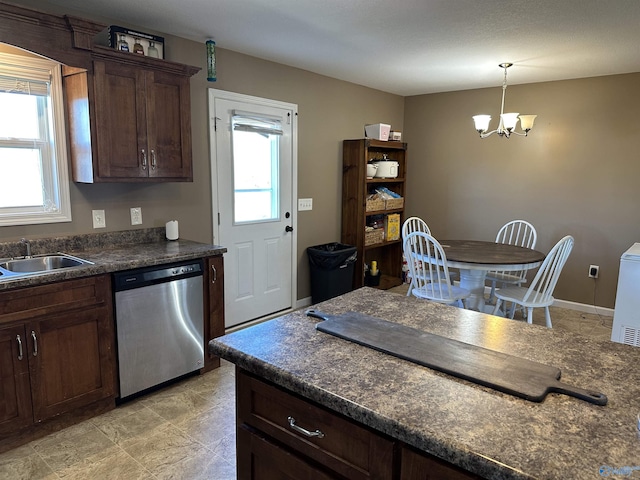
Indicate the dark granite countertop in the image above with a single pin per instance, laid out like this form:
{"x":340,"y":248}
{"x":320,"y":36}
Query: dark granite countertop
{"x":487,"y":432}
{"x":110,"y":252}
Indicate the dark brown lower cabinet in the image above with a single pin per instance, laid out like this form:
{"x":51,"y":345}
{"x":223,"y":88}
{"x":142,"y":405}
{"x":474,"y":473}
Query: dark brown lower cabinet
{"x":213,"y":306}
{"x":420,"y":466}
{"x":335,"y":446}
{"x":261,"y":459}
{"x":281,"y":435}
{"x":57,"y":355}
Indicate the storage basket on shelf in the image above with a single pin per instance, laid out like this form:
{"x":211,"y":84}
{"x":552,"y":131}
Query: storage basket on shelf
{"x":371,"y":237}
{"x":394,"y":203}
{"x":375,"y":203}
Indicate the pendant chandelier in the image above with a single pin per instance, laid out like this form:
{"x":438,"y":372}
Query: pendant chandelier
{"x":508,"y":121}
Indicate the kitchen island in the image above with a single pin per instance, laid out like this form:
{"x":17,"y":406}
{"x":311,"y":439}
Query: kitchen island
{"x":474,"y":429}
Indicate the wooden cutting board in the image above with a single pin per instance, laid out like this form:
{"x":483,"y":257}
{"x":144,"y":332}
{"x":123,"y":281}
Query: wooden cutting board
{"x":500,"y":371}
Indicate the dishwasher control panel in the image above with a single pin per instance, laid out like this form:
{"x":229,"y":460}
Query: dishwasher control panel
{"x":157,"y":274}
{"x":185,"y":269}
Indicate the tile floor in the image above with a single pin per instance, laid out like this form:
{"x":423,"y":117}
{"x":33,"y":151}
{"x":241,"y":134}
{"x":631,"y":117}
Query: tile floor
{"x":185,"y":431}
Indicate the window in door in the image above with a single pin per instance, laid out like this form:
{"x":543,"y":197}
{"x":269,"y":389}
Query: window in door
{"x":33,"y":159}
{"x":255,"y":147}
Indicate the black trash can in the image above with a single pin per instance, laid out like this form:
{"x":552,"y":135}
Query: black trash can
{"x":331,"y":266}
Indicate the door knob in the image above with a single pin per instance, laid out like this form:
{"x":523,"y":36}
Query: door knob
{"x":288,"y":228}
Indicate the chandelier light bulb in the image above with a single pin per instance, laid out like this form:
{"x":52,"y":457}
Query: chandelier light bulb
{"x":509,"y":121}
{"x":526,"y":122}
{"x":482,"y":122}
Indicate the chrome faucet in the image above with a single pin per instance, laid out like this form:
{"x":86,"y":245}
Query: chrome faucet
{"x":28,"y":244}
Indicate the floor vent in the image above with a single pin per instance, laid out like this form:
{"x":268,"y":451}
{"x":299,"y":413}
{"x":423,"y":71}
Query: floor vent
{"x":630,"y":336}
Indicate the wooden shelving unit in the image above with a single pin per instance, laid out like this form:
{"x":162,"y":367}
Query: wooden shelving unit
{"x":355,"y":188}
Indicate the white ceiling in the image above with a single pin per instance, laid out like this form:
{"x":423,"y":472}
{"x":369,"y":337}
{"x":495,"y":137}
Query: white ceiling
{"x":406,"y":47}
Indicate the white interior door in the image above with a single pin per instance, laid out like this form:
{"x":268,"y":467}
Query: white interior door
{"x":254,"y":189}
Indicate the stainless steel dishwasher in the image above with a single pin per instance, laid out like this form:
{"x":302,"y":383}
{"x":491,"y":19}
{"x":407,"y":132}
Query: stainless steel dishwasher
{"x":159,"y":324}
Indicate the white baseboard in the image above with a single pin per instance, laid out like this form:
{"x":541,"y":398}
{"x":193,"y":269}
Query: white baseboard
{"x":580,"y":307}
{"x":583,"y":307}
{"x":303,"y":302}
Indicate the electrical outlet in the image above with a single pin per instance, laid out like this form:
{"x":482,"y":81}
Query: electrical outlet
{"x":594,"y":271}
{"x":305,"y":204}
{"x":136,"y":216}
{"x":99,"y":220}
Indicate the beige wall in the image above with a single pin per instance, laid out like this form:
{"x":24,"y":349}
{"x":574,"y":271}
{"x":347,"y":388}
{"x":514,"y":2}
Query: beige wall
{"x":577,"y":173}
{"x":329,"y":111}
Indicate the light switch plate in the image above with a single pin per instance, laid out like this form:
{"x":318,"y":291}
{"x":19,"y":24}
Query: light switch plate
{"x":136,"y":216}
{"x":305,"y":204}
{"x":99,"y":220}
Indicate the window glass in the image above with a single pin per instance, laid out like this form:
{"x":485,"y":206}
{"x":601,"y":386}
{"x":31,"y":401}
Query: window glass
{"x":255,"y":169}
{"x":23,"y":120}
{"x":21,"y":171}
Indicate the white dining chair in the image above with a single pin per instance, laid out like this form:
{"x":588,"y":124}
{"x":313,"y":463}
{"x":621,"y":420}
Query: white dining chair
{"x":429,"y":271}
{"x":410,"y":225}
{"x":540,"y":292}
{"x":414,"y":224}
{"x":515,"y":232}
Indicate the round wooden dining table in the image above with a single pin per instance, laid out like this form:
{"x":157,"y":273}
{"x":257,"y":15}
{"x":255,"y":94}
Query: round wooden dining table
{"x":474,"y":258}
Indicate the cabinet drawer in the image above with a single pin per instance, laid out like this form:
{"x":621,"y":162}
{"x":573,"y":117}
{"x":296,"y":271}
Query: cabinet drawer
{"x":31,"y":302}
{"x":345,"y":447}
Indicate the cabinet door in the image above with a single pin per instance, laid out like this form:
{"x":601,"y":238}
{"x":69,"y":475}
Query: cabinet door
{"x":15,"y":395}
{"x":121,"y":119}
{"x":215,"y":321}
{"x":168,"y":125}
{"x":71,"y":360}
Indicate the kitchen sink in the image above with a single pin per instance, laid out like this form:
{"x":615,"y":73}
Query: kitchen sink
{"x":40,"y":263}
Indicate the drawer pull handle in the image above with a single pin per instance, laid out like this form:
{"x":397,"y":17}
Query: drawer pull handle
{"x":215,"y":274}
{"x":144,"y":159}
{"x":35,"y":343}
{"x":153,"y":159}
{"x":20,"y":357}
{"x":304,"y":431}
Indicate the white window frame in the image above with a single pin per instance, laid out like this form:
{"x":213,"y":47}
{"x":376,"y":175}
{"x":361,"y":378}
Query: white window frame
{"x":57,"y":207}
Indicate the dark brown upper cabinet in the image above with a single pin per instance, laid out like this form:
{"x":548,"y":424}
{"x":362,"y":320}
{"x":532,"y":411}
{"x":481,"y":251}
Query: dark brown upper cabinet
{"x":129,"y":121}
